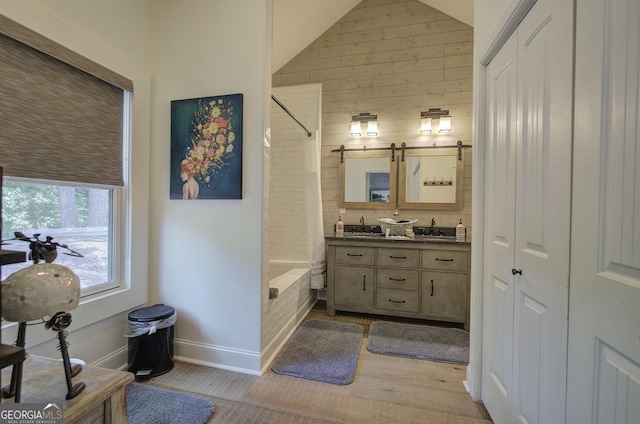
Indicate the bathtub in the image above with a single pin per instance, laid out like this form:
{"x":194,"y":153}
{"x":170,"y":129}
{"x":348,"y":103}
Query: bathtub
{"x":284,"y":274}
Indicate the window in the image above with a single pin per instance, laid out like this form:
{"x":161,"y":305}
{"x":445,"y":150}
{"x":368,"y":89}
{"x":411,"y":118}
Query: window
{"x":80,"y":217}
{"x":65,"y":139}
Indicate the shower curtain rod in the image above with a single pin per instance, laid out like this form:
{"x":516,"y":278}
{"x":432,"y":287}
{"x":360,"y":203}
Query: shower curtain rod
{"x":291,"y":115}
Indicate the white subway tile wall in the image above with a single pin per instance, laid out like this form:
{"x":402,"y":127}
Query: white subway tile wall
{"x":288,"y":226}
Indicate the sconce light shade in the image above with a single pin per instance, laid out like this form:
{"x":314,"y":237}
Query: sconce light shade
{"x":372,"y":128}
{"x":445,"y":125}
{"x":442,"y":116}
{"x":356,"y":131}
{"x":425,"y":125}
{"x":372,"y":124}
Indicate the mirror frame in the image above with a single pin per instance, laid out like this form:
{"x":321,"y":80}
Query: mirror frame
{"x":393,"y":179}
{"x":402,"y":180}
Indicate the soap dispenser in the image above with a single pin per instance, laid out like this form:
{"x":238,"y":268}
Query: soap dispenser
{"x":339,"y":227}
{"x":461,"y":231}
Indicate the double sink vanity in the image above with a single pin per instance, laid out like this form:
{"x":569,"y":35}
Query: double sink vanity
{"x":425,"y":276}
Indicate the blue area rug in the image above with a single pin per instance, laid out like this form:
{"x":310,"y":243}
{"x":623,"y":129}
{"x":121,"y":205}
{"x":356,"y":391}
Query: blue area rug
{"x":419,"y":341}
{"x":322,"y":350}
{"x":152,"y":405}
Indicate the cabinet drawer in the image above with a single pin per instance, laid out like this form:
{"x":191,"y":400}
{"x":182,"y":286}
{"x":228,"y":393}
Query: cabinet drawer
{"x":444,"y":260}
{"x":354,"y":255}
{"x":397,"y":300}
{"x":405,"y":258}
{"x":389,"y":278}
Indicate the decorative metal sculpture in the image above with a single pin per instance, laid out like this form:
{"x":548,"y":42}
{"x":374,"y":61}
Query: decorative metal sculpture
{"x":39,"y":291}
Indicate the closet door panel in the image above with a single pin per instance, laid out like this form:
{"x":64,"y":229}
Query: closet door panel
{"x":528,"y":190}
{"x":543,"y":193}
{"x":604,"y":342}
{"x":497,"y":364}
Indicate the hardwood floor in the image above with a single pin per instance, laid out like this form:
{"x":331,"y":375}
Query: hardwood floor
{"x":386,"y":389}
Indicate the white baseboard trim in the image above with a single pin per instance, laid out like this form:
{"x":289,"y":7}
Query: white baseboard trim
{"x":216,"y":365}
{"x":195,"y":353}
{"x":466,"y":386}
{"x":116,"y":360}
{"x":244,"y":361}
{"x":237,"y":360}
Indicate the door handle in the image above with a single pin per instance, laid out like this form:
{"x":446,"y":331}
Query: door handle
{"x":515,"y":271}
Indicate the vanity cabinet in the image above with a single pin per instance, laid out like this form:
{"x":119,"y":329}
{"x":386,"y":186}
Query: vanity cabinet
{"x":357,"y":286}
{"x":407,"y":278}
{"x":354,"y":267}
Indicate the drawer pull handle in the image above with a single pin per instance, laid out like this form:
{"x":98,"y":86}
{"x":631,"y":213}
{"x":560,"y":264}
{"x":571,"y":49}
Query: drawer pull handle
{"x":354,"y":254}
{"x":397,"y":257}
{"x":397,"y":301}
{"x":444,"y":260}
{"x":397,"y":279}
{"x":364,"y":282}
{"x":431,"y":287}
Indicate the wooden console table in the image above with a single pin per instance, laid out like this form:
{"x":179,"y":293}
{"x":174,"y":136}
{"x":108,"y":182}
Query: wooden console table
{"x":102,"y":401}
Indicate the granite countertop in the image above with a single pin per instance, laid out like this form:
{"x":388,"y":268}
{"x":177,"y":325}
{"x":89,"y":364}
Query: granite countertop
{"x":379,"y":237}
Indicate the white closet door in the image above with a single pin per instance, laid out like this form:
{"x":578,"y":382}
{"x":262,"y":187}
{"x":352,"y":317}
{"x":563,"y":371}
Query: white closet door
{"x":604,"y":338}
{"x":499,"y":243}
{"x":528,"y":191}
{"x":543,"y":208}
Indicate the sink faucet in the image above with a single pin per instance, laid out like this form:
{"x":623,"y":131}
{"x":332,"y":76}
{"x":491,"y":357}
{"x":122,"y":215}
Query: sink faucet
{"x":433,"y":223}
{"x":362,"y":223}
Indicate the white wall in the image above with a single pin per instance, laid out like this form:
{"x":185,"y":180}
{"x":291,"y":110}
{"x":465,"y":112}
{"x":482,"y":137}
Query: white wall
{"x":488,"y":15}
{"x":117,"y":35}
{"x":203,"y":257}
{"x":206,"y":255}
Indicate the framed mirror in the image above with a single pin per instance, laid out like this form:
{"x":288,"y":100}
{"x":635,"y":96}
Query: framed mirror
{"x":430,"y":179}
{"x":368,"y":180}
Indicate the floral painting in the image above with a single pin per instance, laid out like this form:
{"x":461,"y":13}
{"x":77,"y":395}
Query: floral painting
{"x":206,"y":148}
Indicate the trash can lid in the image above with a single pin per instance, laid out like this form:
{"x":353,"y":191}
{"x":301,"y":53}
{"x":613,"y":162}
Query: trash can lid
{"x":151,"y":313}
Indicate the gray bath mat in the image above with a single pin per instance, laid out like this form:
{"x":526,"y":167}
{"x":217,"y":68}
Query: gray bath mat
{"x":321,"y":350}
{"x":419,"y":342}
{"x":152,"y":405}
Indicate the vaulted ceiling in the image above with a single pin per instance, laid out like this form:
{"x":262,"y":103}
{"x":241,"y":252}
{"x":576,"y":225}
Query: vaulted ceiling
{"x":296,"y":23}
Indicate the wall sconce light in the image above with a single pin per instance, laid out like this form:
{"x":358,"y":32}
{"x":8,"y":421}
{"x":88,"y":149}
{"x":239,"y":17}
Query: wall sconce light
{"x":355,"y":129}
{"x":445,"y":124}
{"x":372,"y":124}
{"x":425,"y":124}
{"x":435,"y":113}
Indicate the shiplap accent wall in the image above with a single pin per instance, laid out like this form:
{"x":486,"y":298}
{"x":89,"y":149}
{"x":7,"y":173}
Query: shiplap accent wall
{"x":393,"y":58}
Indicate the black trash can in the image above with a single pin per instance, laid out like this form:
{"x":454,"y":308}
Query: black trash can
{"x":151,"y":341}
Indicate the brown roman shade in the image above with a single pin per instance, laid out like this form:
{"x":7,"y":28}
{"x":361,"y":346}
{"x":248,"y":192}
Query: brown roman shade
{"x":61,"y":115}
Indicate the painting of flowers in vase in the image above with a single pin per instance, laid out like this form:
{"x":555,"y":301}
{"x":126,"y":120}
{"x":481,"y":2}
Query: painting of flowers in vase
{"x":206,"y":148}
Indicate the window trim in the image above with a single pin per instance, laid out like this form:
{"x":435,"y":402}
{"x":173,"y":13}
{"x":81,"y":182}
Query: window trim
{"x":124,"y":296}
